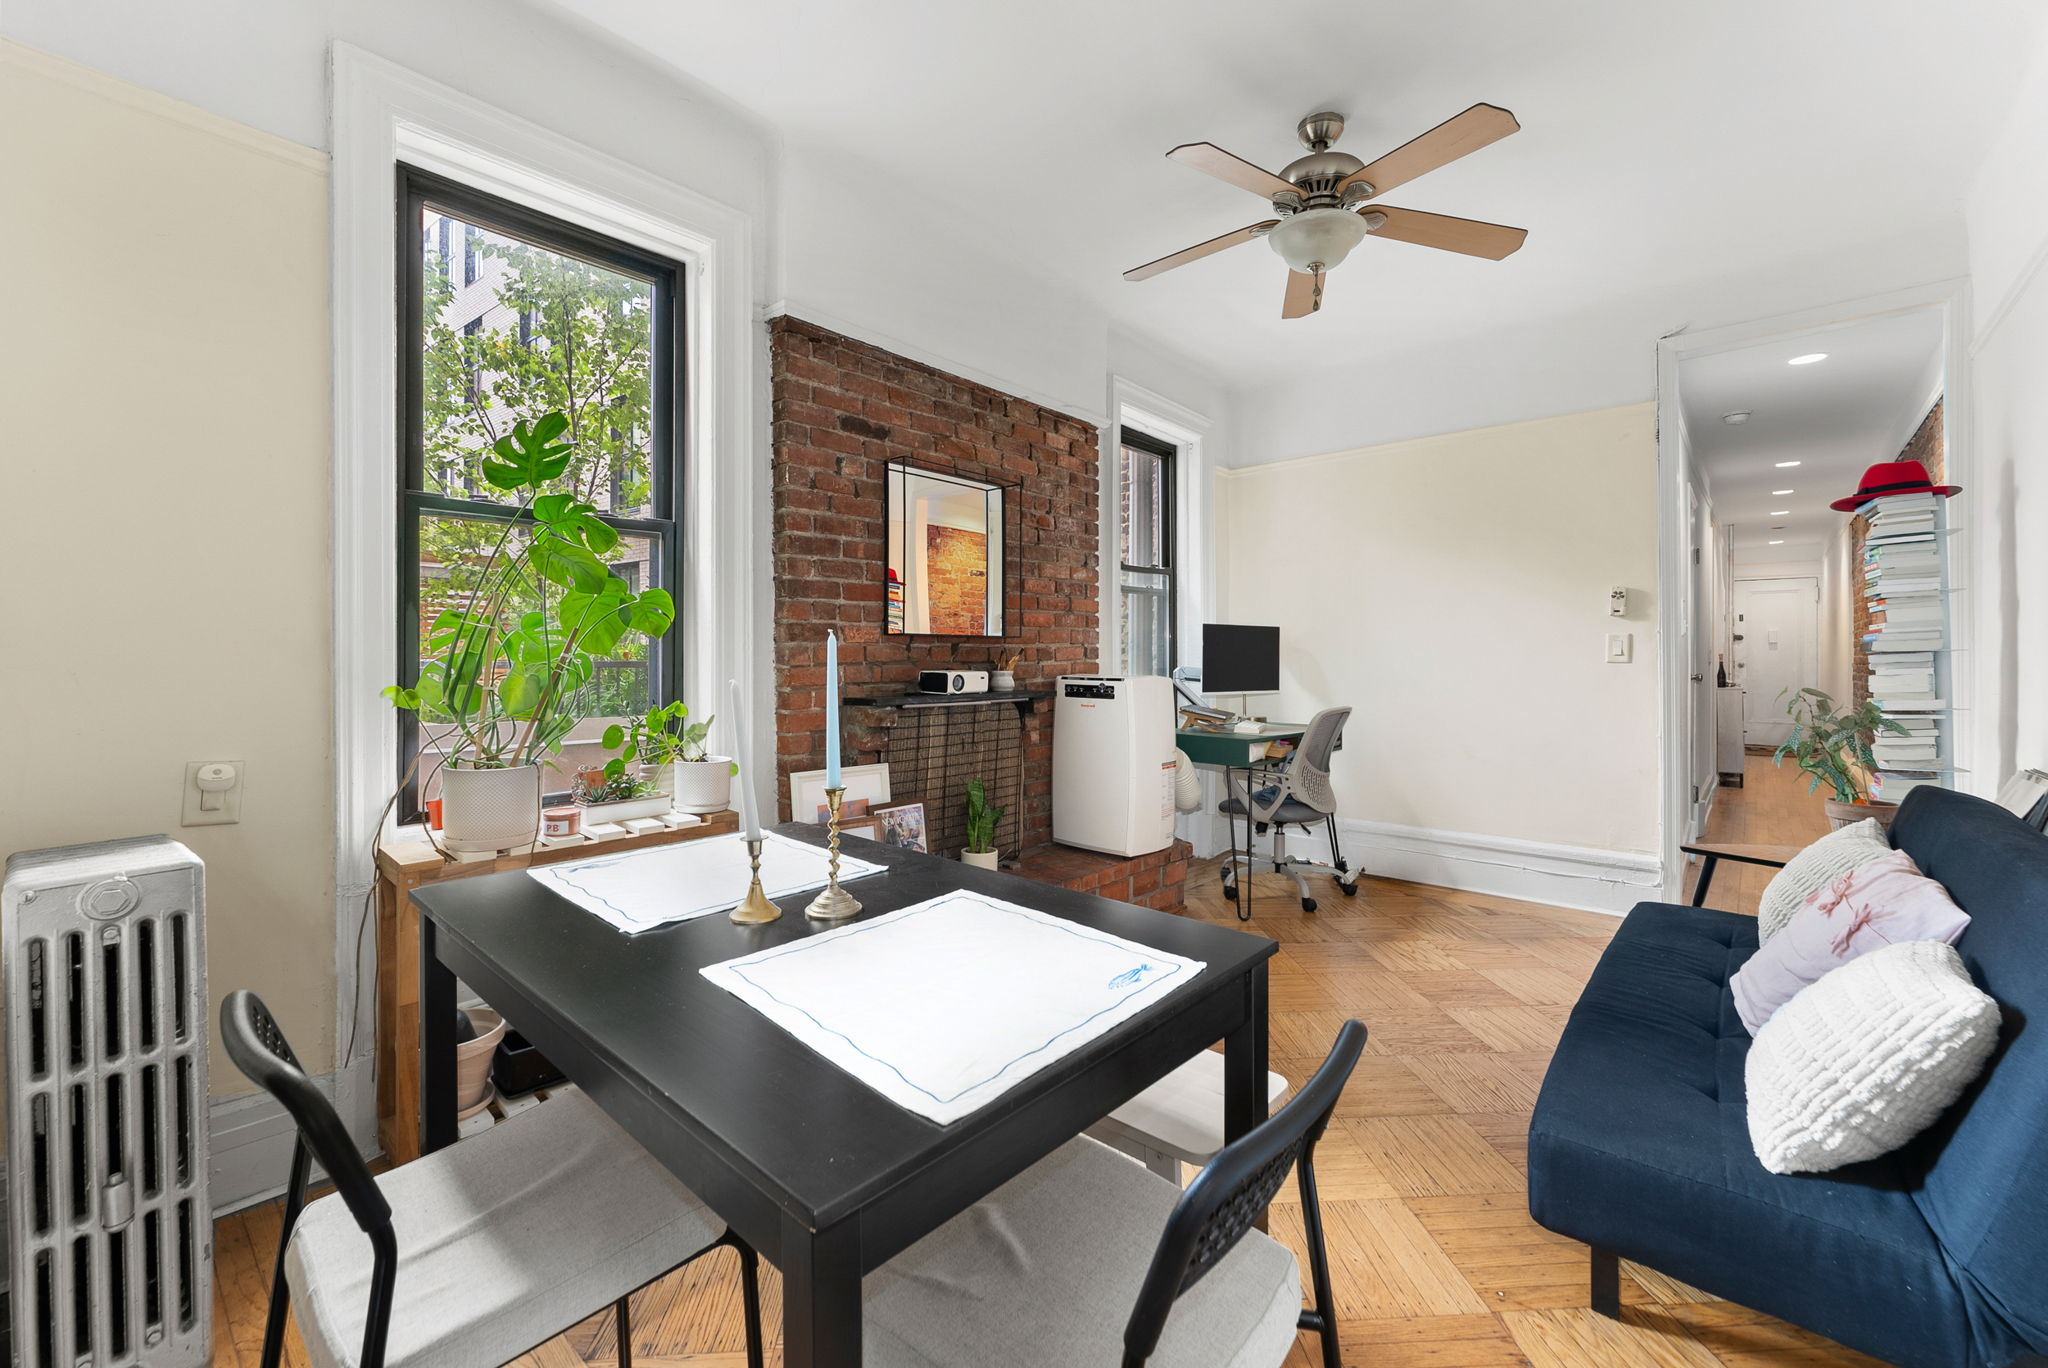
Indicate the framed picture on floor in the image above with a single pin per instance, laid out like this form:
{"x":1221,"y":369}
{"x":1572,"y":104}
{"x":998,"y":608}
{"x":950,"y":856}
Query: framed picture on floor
{"x":903,"y":825}
{"x":866,"y":826}
{"x":868,"y":783}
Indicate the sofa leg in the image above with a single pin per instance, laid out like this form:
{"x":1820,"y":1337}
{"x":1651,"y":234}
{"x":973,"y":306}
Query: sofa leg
{"x":1606,"y":1283}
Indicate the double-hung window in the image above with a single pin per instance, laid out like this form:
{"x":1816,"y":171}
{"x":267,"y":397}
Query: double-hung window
{"x":1145,"y":578}
{"x":539,"y":316}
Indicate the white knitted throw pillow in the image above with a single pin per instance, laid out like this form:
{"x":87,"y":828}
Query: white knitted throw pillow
{"x":1814,"y":868}
{"x":1864,"y":1059}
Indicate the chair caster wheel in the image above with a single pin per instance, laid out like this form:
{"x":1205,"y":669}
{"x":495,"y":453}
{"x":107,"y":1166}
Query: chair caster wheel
{"x":1349,"y":890}
{"x":1230,"y":892}
{"x":1308,"y":904}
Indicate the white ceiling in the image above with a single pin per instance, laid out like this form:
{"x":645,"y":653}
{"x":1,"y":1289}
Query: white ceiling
{"x":1666,"y":150}
{"x":1835,"y":417}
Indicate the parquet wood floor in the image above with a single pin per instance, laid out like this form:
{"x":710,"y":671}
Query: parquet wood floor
{"x":1437,"y":1264}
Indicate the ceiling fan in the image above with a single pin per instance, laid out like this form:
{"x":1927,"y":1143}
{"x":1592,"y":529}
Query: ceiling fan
{"x":1325,"y":201}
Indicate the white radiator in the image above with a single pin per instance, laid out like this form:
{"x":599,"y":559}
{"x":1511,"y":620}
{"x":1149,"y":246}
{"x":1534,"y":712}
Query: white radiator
{"x":110,"y":1232}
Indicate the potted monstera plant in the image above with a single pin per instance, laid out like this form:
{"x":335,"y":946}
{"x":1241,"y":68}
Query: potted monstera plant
{"x":503,"y":671}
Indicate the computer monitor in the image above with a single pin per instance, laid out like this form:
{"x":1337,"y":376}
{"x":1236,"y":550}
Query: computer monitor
{"x":1240,"y":660}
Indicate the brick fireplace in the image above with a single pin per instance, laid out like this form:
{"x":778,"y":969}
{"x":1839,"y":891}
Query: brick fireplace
{"x":842,"y":410}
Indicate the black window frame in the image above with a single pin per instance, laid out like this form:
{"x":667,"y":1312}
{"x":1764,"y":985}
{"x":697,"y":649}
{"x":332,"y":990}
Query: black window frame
{"x":1169,"y":534}
{"x":668,"y":394}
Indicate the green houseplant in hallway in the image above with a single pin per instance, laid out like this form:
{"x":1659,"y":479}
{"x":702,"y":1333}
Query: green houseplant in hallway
{"x":981,"y":849}
{"x":504,"y":668}
{"x":1833,"y":745}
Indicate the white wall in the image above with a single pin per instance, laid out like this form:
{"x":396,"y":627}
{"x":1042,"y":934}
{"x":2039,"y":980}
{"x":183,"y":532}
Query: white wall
{"x":1453,"y":590}
{"x":167,"y":562}
{"x":2008,"y":423}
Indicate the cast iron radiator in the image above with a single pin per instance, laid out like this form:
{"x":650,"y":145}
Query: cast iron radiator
{"x":110,"y":1231}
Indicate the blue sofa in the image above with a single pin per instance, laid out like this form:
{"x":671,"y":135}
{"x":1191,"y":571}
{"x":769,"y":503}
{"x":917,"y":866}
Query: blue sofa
{"x":1933,"y":1257}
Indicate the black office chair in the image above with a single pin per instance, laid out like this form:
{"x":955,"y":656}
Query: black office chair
{"x":1296,"y":793}
{"x":615,"y":1220}
{"x":1044,"y":1269}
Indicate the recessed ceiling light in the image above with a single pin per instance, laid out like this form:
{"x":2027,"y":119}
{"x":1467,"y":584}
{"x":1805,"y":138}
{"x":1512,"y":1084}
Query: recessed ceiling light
{"x":1779,"y":542}
{"x":1782,"y":465}
{"x":1784,"y":491}
{"x":1781,"y":512}
{"x":1739,"y":416}
{"x":1807,"y":359}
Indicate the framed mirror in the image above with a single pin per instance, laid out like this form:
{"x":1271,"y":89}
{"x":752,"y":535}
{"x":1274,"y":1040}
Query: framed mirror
{"x":946,"y":553}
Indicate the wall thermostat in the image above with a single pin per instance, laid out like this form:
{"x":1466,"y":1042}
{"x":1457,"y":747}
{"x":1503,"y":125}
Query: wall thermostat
{"x":1617,"y":602}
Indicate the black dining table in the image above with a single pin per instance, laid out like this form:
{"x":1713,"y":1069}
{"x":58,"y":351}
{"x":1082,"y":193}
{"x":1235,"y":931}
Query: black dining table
{"x":825,"y":1177}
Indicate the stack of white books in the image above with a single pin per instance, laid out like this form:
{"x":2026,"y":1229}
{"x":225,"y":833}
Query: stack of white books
{"x":1902,"y":575}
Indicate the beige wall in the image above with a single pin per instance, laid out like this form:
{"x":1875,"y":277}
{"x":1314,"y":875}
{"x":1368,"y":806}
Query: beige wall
{"x":1453,"y":591}
{"x":165,"y":370}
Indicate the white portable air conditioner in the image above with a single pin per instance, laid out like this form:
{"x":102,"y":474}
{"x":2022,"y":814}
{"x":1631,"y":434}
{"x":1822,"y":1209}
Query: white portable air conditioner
{"x":1113,"y":763}
{"x":111,"y":1233}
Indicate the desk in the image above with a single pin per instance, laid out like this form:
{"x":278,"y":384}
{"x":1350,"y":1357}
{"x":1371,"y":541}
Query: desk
{"x":825,"y":1177}
{"x":1233,"y":750}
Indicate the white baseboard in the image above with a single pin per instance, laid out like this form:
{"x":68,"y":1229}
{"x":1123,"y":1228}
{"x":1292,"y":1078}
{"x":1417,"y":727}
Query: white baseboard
{"x":250,"y":1139}
{"x":1583,"y":877}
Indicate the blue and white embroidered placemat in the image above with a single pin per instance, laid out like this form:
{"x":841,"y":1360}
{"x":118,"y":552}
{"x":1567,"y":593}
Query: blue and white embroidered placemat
{"x":944,"y":1006}
{"x":640,"y":889}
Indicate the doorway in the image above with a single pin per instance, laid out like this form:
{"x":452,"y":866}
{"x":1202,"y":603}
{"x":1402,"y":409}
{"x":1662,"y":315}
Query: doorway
{"x":1776,"y":627}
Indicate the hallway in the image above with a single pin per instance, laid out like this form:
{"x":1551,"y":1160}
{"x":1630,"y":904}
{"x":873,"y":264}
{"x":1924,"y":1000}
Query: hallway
{"x":1772,"y":807}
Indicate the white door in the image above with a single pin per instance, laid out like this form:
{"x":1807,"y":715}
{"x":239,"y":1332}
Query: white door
{"x":1777,"y":649}
{"x":1699,"y":647}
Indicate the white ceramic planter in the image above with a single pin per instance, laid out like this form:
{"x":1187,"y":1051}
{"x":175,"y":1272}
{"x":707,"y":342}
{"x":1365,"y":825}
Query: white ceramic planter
{"x":625,"y":810}
{"x":473,"y":1062}
{"x":490,"y":809}
{"x":981,"y":859}
{"x":704,"y":785}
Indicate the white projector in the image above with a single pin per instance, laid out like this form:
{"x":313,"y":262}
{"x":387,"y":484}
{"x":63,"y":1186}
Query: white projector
{"x":952,"y":681}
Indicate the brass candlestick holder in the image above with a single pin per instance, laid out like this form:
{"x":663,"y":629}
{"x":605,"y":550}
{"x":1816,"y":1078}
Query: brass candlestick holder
{"x":754,"y":909}
{"x":835,"y":903}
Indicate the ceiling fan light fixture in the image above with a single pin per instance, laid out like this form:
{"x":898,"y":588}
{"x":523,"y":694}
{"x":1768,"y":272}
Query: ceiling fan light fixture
{"x":1317,"y":239}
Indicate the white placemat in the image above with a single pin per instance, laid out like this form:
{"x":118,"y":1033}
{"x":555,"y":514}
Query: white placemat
{"x":637,"y":890}
{"x":944,"y":1006}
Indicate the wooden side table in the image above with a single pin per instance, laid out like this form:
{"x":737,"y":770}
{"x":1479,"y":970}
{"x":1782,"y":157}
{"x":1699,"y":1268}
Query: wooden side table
{"x":407,"y":862}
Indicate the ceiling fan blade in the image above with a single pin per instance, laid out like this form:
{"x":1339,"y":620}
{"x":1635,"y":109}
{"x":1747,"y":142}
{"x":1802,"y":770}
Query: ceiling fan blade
{"x":1304,"y":294}
{"x":1453,"y":138}
{"x":1224,"y":166}
{"x":1470,"y":236}
{"x":1199,"y":250}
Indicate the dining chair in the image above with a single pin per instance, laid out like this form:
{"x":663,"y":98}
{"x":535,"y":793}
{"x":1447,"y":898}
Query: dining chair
{"x":1179,"y":1119}
{"x":1088,"y":1258}
{"x":472,"y":1255}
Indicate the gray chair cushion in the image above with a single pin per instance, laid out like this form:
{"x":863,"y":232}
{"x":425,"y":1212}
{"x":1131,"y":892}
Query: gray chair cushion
{"x":1292,"y":810}
{"x":504,"y":1241}
{"x":1046,"y":1270}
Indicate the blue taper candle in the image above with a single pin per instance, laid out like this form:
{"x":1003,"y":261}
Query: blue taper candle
{"x":832,"y":710}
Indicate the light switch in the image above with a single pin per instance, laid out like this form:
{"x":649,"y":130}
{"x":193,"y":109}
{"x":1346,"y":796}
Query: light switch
{"x":1620,"y":647}
{"x":213,"y":793}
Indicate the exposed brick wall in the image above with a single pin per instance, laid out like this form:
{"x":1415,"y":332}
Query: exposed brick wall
{"x":1156,"y":880}
{"x":1925,"y":447}
{"x":956,"y":574}
{"x":842,"y":411}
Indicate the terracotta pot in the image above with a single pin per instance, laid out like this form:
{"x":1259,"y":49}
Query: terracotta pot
{"x":704,"y":785}
{"x":490,"y":809}
{"x":981,"y":859}
{"x":1842,"y":814}
{"x":473,"y":1060}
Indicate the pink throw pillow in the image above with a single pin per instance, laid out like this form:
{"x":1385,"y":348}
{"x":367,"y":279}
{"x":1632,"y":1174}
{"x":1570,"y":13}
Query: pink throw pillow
{"x":1885,"y":901}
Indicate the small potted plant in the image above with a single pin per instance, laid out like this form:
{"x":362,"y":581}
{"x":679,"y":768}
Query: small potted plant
{"x":981,"y":828}
{"x":672,"y":749}
{"x":608,"y":795}
{"x":1833,"y":745}
{"x":504,"y":669}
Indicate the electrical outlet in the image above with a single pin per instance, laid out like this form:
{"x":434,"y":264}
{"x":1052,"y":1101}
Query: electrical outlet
{"x":213,"y":793}
{"x":1620,"y":648}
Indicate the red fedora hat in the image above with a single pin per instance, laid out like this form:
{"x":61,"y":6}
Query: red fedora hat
{"x":1892,"y":477}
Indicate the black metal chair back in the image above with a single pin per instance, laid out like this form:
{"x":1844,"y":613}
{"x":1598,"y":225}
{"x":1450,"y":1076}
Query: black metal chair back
{"x":252,"y":1039}
{"x":1233,"y":1191}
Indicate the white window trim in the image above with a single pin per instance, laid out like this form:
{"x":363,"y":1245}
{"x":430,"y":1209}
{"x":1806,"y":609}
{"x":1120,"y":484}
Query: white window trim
{"x":1194,"y":571}
{"x":384,"y":114}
